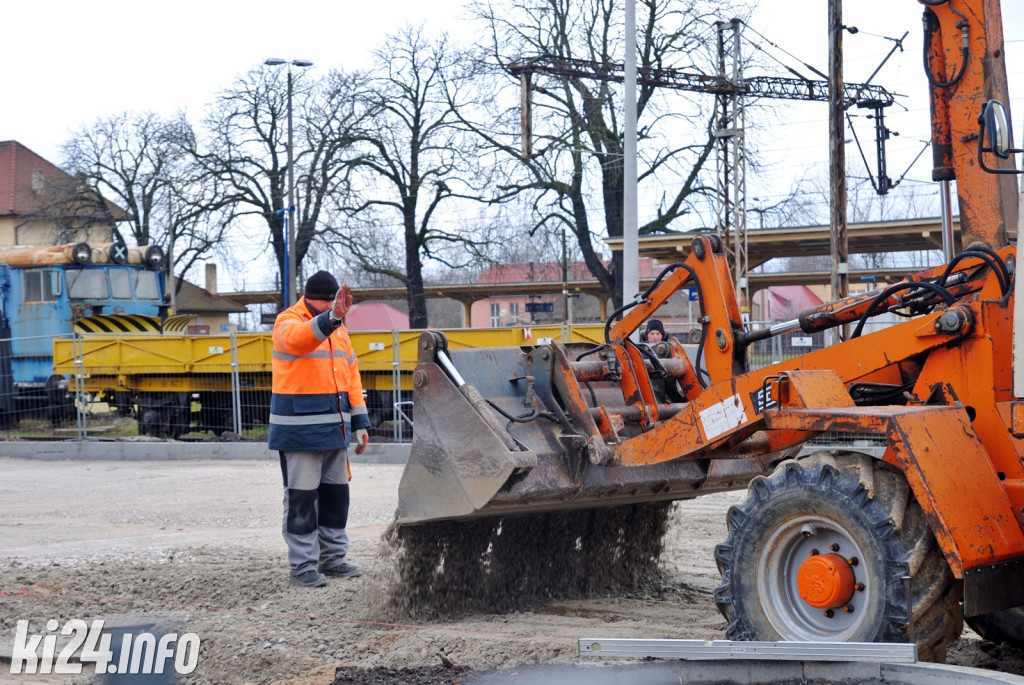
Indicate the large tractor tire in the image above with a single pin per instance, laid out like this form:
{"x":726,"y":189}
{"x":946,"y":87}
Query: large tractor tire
{"x":819,"y":551}
{"x":1001,"y":626}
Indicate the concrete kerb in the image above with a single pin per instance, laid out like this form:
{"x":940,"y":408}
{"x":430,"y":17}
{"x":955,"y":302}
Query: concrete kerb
{"x":132,"y":450}
{"x":157,"y":450}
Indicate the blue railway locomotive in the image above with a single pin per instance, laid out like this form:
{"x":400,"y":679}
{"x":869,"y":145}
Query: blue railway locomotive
{"x":46,"y":292}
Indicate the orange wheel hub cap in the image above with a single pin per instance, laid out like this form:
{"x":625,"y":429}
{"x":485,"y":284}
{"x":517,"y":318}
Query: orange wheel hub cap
{"x":825,"y":581}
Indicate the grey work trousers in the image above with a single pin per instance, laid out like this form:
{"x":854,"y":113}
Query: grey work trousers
{"x":316,"y":500}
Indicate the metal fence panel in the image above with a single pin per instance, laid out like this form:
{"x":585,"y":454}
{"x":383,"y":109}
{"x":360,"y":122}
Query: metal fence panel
{"x":782,"y":347}
{"x":219,"y":387}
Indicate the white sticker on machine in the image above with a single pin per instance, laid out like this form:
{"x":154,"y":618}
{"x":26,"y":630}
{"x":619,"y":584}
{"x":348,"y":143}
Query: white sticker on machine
{"x":722,"y":417}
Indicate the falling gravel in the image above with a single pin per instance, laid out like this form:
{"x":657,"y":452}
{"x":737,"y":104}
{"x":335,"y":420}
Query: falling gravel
{"x":505,"y":564}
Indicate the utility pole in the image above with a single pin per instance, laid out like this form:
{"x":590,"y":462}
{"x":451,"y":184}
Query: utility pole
{"x":566,"y":319}
{"x":731,"y":158}
{"x":526,"y":115}
{"x":630,"y":228}
{"x":837,"y":153}
{"x":290,"y":211}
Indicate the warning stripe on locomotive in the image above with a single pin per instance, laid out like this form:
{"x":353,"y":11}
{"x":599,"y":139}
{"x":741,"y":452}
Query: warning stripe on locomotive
{"x":178,"y":324}
{"x":118,"y":323}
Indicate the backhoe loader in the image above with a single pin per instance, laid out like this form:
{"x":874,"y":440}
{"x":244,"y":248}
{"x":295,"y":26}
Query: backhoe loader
{"x":834,"y":546}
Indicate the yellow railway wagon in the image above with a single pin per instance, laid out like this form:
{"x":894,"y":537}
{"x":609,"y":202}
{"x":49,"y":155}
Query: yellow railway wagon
{"x":133,"y":358}
{"x":376,"y":349}
{"x":178,"y":383}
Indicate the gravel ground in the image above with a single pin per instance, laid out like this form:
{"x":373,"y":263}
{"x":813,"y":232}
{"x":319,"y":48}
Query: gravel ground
{"x":196,"y":546}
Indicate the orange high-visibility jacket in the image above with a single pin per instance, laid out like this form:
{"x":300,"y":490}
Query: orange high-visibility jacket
{"x":317,"y":396}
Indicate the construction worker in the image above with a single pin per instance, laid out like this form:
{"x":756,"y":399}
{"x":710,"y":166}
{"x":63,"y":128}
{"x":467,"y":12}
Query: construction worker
{"x":317,"y":403}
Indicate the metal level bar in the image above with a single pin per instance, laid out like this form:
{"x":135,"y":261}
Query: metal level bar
{"x":728,"y":649}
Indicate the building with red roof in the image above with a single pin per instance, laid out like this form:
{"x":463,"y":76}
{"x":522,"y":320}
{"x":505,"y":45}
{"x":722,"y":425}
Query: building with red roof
{"x":41,"y":204}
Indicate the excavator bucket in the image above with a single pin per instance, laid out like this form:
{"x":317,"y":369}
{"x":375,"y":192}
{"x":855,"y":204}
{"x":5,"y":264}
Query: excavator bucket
{"x":462,"y":455}
{"x":502,"y":431}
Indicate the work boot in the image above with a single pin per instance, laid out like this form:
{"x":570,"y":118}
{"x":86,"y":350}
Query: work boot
{"x":310,"y":579}
{"x":343,"y":570}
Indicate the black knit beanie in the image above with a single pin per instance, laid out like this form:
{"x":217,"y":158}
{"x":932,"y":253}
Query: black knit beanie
{"x":655,"y":325}
{"x":321,"y":286}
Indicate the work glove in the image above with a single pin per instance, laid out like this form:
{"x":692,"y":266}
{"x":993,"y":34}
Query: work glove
{"x":362,"y":440}
{"x":342,"y":303}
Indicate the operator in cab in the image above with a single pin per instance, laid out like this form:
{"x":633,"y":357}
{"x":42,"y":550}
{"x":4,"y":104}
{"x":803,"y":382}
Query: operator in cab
{"x":654,"y":333}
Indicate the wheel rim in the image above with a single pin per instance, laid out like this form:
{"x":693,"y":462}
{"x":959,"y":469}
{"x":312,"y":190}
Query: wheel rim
{"x":785,"y":552}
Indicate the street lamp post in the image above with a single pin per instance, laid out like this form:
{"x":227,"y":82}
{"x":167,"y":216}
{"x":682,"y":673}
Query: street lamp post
{"x":288,"y":292}
{"x":566,"y":317}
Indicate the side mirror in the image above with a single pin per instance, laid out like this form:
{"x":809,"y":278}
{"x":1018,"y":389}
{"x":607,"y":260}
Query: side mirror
{"x":995,"y":130}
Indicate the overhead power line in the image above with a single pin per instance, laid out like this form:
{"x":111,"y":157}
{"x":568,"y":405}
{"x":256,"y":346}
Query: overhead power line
{"x":778,"y":47}
{"x":775,"y":87}
{"x":731,"y":89}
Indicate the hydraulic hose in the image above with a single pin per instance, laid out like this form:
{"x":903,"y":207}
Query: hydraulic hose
{"x":987,"y":255}
{"x":965,"y":51}
{"x":946,"y":296}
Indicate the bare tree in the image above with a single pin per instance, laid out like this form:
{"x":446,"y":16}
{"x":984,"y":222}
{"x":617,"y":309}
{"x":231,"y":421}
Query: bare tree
{"x":575,"y":177}
{"x":199,"y":211}
{"x":417,"y":163}
{"x":139,"y":162}
{"x":69,"y":210}
{"x":245,"y":150}
{"x":120,"y":157}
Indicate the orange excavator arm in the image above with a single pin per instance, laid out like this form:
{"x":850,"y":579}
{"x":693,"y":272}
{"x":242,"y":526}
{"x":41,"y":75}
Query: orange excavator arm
{"x":965,"y":65}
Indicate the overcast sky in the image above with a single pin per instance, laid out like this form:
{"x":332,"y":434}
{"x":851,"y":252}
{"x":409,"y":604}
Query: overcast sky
{"x":67,"y":63}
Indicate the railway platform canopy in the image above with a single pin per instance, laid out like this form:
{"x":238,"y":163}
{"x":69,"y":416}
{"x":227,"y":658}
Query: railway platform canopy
{"x":763,"y":245}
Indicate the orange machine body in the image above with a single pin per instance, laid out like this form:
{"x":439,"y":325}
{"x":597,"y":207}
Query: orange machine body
{"x":953,"y":437}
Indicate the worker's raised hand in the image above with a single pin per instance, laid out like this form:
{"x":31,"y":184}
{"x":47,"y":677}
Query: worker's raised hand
{"x":342,"y":301}
{"x":362,"y":440}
